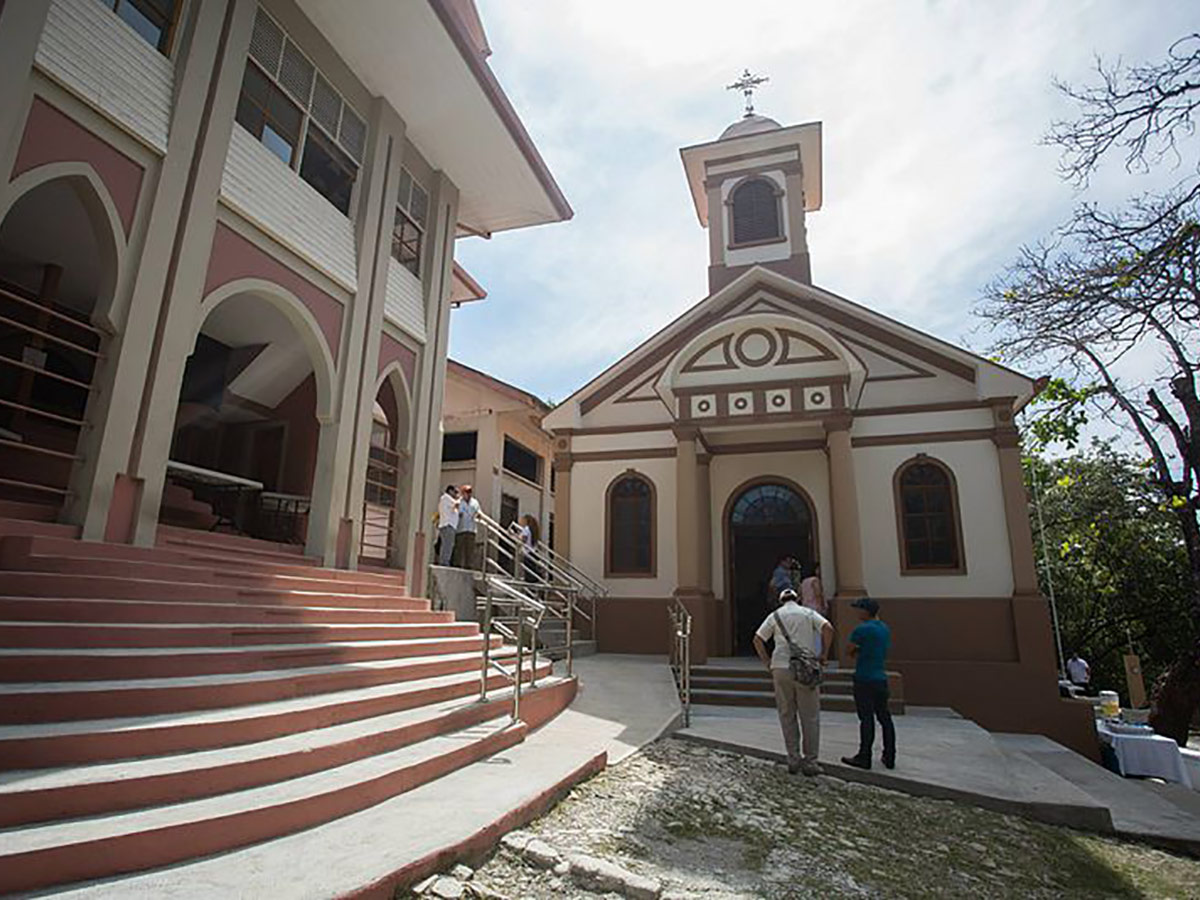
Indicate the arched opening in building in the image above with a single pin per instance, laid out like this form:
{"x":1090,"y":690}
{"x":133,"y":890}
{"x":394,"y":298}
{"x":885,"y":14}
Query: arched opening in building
{"x":385,"y":494}
{"x":766,"y":521}
{"x":245,"y":443}
{"x":58,"y":265}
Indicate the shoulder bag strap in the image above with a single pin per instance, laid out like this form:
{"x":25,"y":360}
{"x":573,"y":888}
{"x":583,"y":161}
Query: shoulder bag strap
{"x":795,"y":651}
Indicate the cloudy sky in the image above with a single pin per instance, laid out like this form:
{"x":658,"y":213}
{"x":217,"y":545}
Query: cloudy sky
{"x":933,"y":172}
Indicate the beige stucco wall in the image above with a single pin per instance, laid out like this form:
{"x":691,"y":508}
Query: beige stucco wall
{"x":980,"y":500}
{"x":589,"y":484}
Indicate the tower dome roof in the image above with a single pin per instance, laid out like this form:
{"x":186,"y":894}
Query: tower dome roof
{"x":751,"y":124}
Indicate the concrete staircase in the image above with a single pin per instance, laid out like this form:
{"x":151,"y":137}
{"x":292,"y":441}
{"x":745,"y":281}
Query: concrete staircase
{"x":746,"y":683}
{"x":162,"y":704}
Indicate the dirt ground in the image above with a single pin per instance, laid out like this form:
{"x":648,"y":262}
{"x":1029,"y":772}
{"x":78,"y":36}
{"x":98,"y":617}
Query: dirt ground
{"x":703,"y":823}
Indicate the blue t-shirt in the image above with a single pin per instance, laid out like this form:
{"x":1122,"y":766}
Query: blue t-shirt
{"x":873,"y":638}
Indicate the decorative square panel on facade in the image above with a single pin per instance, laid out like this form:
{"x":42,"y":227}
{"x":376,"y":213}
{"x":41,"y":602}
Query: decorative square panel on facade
{"x":779,"y":401}
{"x":703,"y":406}
{"x":741,"y":403}
{"x":817,"y":398}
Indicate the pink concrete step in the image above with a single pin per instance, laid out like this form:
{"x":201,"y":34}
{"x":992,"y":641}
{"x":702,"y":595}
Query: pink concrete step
{"x":173,"y":536}
{"x":91,"y":634}
{"x":99,"y":610}
{"x":54,"y":584}
{"x":48,"y":795}
{"x":80,"y":700}
{"x":104,"y":664}
{"x":15,"y":526}
{"x":33,"y":512}
{"x":54,"y":744}
{"x":40,"y":856}
{"x":197,"y":574}
{"x":14,"y":548}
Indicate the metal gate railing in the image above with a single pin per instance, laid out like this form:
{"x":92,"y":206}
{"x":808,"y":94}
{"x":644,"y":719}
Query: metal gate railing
{"x":680,"y":643}
{"x":380,"y":526}
{"x":48,"y":360}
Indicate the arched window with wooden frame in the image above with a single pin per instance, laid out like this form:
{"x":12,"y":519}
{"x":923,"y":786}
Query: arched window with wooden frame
{"x":755,"y":212}
{"x":927,"y":518}
{"x":631,"y":521}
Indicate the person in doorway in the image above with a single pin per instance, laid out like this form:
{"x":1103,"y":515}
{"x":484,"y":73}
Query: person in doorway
{"x":799,"y":705}
{"x":812,"y":594}
{"x":1079,"y":671}
{"x":869,"y":644}
{"x":781,"y":578}
{"x":447,"y":524}
{"x":468,"y":523}
{"x":522,"y":529}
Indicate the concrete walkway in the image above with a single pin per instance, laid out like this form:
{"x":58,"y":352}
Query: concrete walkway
{"x":943,"y":755}
{"x":624,"y":702}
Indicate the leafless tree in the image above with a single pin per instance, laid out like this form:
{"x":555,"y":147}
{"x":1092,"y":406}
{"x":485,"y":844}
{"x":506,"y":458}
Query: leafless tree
{"x":1112,"y":288}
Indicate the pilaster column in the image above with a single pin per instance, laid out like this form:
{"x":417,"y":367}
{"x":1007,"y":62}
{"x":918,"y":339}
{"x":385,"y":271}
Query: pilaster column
{"x":429,"y":390}
{"x":1016,"y":505}
{"x":687,"y":542}
{"x":704,"y":523}
{"x":379,"y":181}
{"x":843,"y":497}
{"x":562,"y":502}
{"x":21,"y":25}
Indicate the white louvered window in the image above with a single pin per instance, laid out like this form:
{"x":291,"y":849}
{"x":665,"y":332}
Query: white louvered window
{"x":408,"y":233}
{"x":299,"y":115}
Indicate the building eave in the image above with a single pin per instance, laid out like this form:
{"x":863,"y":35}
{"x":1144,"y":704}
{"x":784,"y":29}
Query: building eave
{"x":425,"y":60}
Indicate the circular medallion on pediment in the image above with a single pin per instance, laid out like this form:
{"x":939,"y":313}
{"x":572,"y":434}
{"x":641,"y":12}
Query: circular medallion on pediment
{"x":755,"y":347}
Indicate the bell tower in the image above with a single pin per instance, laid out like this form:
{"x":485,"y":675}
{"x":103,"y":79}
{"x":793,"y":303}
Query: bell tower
{"x":752,"y":187}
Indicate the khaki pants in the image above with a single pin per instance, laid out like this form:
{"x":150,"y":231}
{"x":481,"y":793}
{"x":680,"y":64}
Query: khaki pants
{"x":797,"y":703}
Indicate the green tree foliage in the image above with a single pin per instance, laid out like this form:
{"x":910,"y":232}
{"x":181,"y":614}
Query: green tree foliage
{"x":1119,"y":568}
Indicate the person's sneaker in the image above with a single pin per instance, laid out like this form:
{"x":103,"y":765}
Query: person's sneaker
{"x":857,"y":761}
{"x":794,"y":768}
{"x":810,"y":768}
{"x":889,"y":762}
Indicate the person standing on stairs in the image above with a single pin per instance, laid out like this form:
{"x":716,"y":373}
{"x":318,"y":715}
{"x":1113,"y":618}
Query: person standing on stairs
{"x":869,"y":644}
{"x":468,"y":523}
{"x":447,"y":524}
{"x":793,"y":625}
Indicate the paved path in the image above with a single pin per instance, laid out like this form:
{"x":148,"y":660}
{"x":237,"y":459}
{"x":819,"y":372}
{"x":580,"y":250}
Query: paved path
{"x":943,"y":755}
{"x":623,"y":703}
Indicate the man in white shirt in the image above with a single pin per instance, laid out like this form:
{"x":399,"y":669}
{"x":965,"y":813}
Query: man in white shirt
{"x":447,"y":523}
{"x":464,"y":538}
{"x":810,"y":631}
{"x":1079,"y":671}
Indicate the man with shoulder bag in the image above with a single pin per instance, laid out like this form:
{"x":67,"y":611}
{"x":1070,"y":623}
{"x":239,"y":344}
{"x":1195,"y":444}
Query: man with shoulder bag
{"x":803,"y":638}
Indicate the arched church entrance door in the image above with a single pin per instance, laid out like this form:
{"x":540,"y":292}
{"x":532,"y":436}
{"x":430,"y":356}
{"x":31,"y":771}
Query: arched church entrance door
{"x":767,"y":521}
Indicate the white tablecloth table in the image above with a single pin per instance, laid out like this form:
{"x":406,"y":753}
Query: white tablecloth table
{"x":1148,"y":755}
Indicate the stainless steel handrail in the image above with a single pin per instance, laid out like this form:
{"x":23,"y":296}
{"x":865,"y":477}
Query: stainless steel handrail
{"x":680,"y":659}
{"x":550,"y":571}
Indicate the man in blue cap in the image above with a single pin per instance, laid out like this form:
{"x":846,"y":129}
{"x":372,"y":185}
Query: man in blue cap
{"x":869,"y":643}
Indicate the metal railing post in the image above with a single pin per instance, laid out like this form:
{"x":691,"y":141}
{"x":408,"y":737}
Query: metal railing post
{"x":516,"y":713}
{"x":570,"y":633}
{"x":487,"y":640}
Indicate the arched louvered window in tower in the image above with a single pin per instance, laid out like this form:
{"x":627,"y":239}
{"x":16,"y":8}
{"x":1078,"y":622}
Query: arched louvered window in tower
{"x":756,"y":215}
{"x":629,"y":536}
{"x":928,"y":518}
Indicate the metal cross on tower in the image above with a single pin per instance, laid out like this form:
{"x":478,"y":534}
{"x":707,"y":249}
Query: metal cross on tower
{"x":747,"y":84}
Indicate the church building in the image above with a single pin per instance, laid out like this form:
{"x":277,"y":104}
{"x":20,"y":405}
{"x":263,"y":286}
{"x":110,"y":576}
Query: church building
{"x":777,"y":418}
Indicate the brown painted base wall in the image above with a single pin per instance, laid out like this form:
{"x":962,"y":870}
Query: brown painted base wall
{"x":990,"y":659}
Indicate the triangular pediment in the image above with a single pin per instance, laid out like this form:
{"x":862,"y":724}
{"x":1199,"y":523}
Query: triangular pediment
{"x":884,"y":350}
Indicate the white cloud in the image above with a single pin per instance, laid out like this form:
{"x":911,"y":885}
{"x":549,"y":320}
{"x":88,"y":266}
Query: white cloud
{"x":933,"y":174}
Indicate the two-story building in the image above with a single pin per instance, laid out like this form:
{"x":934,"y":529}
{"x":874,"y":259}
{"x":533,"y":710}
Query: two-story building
{"x":493,"y":439}
{"x":227,"y":238}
